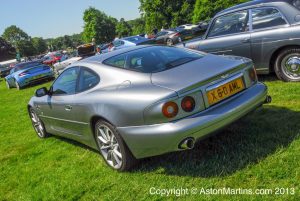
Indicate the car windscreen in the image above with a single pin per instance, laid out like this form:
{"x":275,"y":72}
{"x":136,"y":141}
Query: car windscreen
{"x":153,"y":59}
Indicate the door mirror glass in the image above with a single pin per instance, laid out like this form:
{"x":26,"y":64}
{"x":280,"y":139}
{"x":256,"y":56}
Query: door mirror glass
{"x":41,"y":92}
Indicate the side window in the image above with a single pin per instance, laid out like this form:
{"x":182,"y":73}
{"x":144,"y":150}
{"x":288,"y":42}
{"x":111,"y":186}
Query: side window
{"x":87,"y":79}
{"x":229,"y":24}
{"x":266,"y":17}
{"x":117,"y":61}
{"x":66,"y":82}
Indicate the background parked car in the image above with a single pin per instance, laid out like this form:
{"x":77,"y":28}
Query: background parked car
{"x":130,"y":42}
{"x":59,"y":66}
{"x":4,"y":71}
{"x":187,"y":26}
{"x":52,"y":58}
{"x":104,"y":48}
{"x":173,"y":36}
{"x":86,"y":50}
{"x":265,"y":31}
{"x":27,"y":73}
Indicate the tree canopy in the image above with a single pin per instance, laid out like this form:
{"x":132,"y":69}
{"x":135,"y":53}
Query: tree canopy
{"x":19,"y":40}
{"x":206,"y":9}
{"x":165,"y":13}
{"x":123,"y":28}
{"x":98,"y":26}
{"x":39,"y":45}
{"x":6,"y":50}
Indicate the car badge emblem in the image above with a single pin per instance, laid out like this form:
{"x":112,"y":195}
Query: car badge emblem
{"x":225,"y":76}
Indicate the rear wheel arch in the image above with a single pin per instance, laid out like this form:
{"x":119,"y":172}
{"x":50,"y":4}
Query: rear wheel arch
{"x":94,"y":120}
{"x":276,"y":54}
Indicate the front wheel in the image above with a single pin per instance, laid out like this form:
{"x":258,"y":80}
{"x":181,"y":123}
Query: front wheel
{"x":18,"y":86}
{"x":112,"y":147}
{"x":37,"y":124}
{"x":287,"y":65}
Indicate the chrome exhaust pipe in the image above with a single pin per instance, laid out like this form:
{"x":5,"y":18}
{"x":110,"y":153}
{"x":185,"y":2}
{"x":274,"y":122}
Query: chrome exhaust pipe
{"x":187,"y":143}
{"x":268,"y":100}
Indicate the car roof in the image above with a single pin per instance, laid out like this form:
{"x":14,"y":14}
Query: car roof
{"x":251,"y":3}
{"x":27,"y":63}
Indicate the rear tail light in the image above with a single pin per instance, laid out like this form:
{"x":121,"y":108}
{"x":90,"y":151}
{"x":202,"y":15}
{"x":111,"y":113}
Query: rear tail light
{"x":252,"y":74}
{"x":177,"y":34}
{"x":188,"y":104}
{"x":170,"y":109}
{"x":22,"y":74}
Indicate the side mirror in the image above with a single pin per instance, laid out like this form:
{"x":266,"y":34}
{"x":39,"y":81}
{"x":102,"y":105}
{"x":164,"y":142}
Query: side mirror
{"x":41,"y":92}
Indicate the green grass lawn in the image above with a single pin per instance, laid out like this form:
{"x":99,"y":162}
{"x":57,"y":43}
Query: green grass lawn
{"x":261,"y":151}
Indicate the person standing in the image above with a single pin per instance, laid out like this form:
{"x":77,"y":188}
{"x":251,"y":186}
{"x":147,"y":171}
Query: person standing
{"x":18,"y":56}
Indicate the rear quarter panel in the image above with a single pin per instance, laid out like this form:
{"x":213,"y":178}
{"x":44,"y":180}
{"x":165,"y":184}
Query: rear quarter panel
{"x":265,"y":43}
{"x":121,"y":96}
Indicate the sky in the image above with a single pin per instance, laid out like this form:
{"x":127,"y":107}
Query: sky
{"x":53,"y":18}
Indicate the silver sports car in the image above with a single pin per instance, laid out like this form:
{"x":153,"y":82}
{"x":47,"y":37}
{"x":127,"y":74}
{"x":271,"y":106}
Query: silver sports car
{"x":146,"y":100}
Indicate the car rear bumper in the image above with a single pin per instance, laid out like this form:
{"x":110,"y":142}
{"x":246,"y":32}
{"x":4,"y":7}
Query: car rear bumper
{"x":151,"y":140}
{"x":31,"y":80}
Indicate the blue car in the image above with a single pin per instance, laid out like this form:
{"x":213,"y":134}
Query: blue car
{"x":27,"y":73}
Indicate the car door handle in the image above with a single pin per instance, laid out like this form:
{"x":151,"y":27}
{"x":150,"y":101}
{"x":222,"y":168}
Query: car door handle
{"x":246,"y":40}
{"x":68,"y":107}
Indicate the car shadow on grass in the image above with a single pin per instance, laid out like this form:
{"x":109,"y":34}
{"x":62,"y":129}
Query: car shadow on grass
{"x":245,"y":142}
{"x":268,"y":78}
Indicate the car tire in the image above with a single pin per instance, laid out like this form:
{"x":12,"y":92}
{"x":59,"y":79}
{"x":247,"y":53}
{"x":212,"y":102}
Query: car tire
{"x":18,"y":86}
{"x":37,"y":124}
{"x":112,"y":147}
{"x":7,"y":85}
{"x":287,"y":65}
{"x":170,"y":42}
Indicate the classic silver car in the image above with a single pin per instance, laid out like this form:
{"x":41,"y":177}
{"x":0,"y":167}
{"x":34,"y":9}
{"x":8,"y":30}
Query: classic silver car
{"x":146,"y":100}
{"x":266,"y":31}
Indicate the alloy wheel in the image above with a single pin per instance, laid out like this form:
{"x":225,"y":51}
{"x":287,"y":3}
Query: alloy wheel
{"x":109,"y":146}
{"x":37,"y":124}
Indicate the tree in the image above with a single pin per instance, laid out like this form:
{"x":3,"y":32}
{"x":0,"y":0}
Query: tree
{"x":137,"y":26}
{"x":76,"y":40}
{"x":206,"y":9}
{"x":6,"y":50}
{"x":123,"y":28}
{"x":39,"y":45}
{"x":165,"y":13}
{"x":99,"y":26}
{"x":19,"y":40}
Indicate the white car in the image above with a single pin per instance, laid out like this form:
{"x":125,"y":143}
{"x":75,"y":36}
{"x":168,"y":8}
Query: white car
{"x":128,"y":42}
{"x":187,"y":26}
{"x":59,"y":66}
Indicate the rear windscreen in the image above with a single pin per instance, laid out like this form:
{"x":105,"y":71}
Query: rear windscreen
{"x":153,"y":59}
{"x":25,"y":65}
